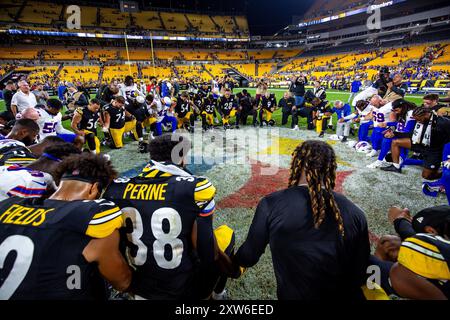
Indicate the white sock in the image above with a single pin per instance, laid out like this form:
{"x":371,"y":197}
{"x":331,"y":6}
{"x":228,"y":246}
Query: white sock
{"x":397,"y":165}
{"x":141,"y":139}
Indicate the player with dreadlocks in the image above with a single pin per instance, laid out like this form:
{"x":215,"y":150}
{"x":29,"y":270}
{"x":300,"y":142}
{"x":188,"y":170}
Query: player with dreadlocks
{"x":318,"y":238}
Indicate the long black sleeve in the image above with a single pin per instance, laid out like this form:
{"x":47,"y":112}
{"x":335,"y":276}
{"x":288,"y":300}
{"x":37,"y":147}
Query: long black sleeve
{"x":257,"y":238}
{"x":205,"y":239}
{"x":404,"y":228}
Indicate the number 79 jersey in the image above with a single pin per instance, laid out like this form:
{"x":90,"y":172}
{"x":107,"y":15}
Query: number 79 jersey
{"x":159,"y":215}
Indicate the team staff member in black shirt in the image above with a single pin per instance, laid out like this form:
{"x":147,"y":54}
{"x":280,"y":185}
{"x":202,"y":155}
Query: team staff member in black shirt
{"x":286,"y":103}
{"x":8,"y":93}
{"x":318,"y":238}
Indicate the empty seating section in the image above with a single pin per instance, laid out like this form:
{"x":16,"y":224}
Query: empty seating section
{"x":226,"y":23}
{"x":159,"y":72}
{"x":40,"y":12}
{"x":192,"y":72}
{"x":264,"y":54}
{"x":202,"y":23}
{"x":39,"y":73}
{"x":265,"y":68}
{"x":441,"y":67}
{"x":242,"y":23}
{"x":230,"y":55}
{"x":394,"y":57}
{"x":88,"y":16}
{"x":46,"y":13}
{"x":9,"y":10}
{"x":148,"y":20}
{"x":286,"y":53}
{"x":63,"y":54}
{"x":445,"y":57}
{"x":18,"y":53}
{"x":136,"y":54}
{"x":112,"y":18}
{"x":217,"y":70}
{"x":248,"y":69}
{"x":119,"y":72}
{"x":102,"y":54}
{"x":174,"y":21}
{"x":79,"y":73}
{"x":351,"y":59}
{"x":196,"y":55}
{"x":168,"y":55}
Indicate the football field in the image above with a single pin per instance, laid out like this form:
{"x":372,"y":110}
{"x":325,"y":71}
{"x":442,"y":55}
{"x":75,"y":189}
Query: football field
{"x":240,"y":185}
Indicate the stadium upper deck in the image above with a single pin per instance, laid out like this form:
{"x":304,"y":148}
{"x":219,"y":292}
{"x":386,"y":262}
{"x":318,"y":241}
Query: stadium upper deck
{"x":38,"y":15}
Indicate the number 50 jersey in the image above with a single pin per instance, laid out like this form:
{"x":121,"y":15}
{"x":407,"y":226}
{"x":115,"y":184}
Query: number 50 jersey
{"x":160,"y":208}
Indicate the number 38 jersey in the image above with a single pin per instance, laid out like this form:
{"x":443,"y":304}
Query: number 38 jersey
{"x":42,"y":243}
{"x":160,"y":207}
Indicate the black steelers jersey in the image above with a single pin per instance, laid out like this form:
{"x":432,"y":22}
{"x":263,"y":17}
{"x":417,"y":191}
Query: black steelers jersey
{"x":209,"y":105}
{"x":89,"y":119}
{"x":226,"y":104}
{"x":268,"y":103}
{"x":41,"y":245}
{"x":14,"y":152}
{"x":116,"y":116}
{"x":198,"y":100}
{"x":428,"y":256}
{"x":139,"y":111}
{"x":203,"y":92}
{"x":182,"y":108}
{"x":160,"y":210}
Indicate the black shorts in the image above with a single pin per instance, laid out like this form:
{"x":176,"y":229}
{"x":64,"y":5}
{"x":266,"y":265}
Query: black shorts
{"x":432,"y":159}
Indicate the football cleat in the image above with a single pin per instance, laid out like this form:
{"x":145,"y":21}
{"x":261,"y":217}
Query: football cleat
{"x":372,"y":153}
{"x":392,"y":168}
{"x":430,"y":190}
{"x":376,"y":164}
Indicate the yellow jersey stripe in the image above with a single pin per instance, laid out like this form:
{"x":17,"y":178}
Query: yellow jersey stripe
{"x":205,"y":194}
{"x":201,"y":183}
{"x":105,"y":229}
{"x":105,"y":213}
{"x":423,"y":265}
{"x":423,"y":244}
{"x":165,"y":174}
{"x":105,"y":219}
{"x":431,"y":254}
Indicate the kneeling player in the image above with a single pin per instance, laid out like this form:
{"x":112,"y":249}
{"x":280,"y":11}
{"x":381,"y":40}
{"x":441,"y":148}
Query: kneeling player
{"x":184,"y":112}
{"x":115,"y":121}
{"x":84,"y":123}
{"x":169,"y":215}
{"x":268,"y":106}
{"x":208,"y":108}
{"x":69,"y":236}
{"x":14,"y":147}
{"x":228,"y":108}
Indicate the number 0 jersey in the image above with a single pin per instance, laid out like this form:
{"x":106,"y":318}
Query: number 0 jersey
{"x":42,"y":243}
{"x":160,"y":207}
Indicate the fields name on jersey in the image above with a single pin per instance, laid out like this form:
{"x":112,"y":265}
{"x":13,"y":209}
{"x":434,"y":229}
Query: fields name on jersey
{"x":17,"y":214}
{"x":145,"y":191}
